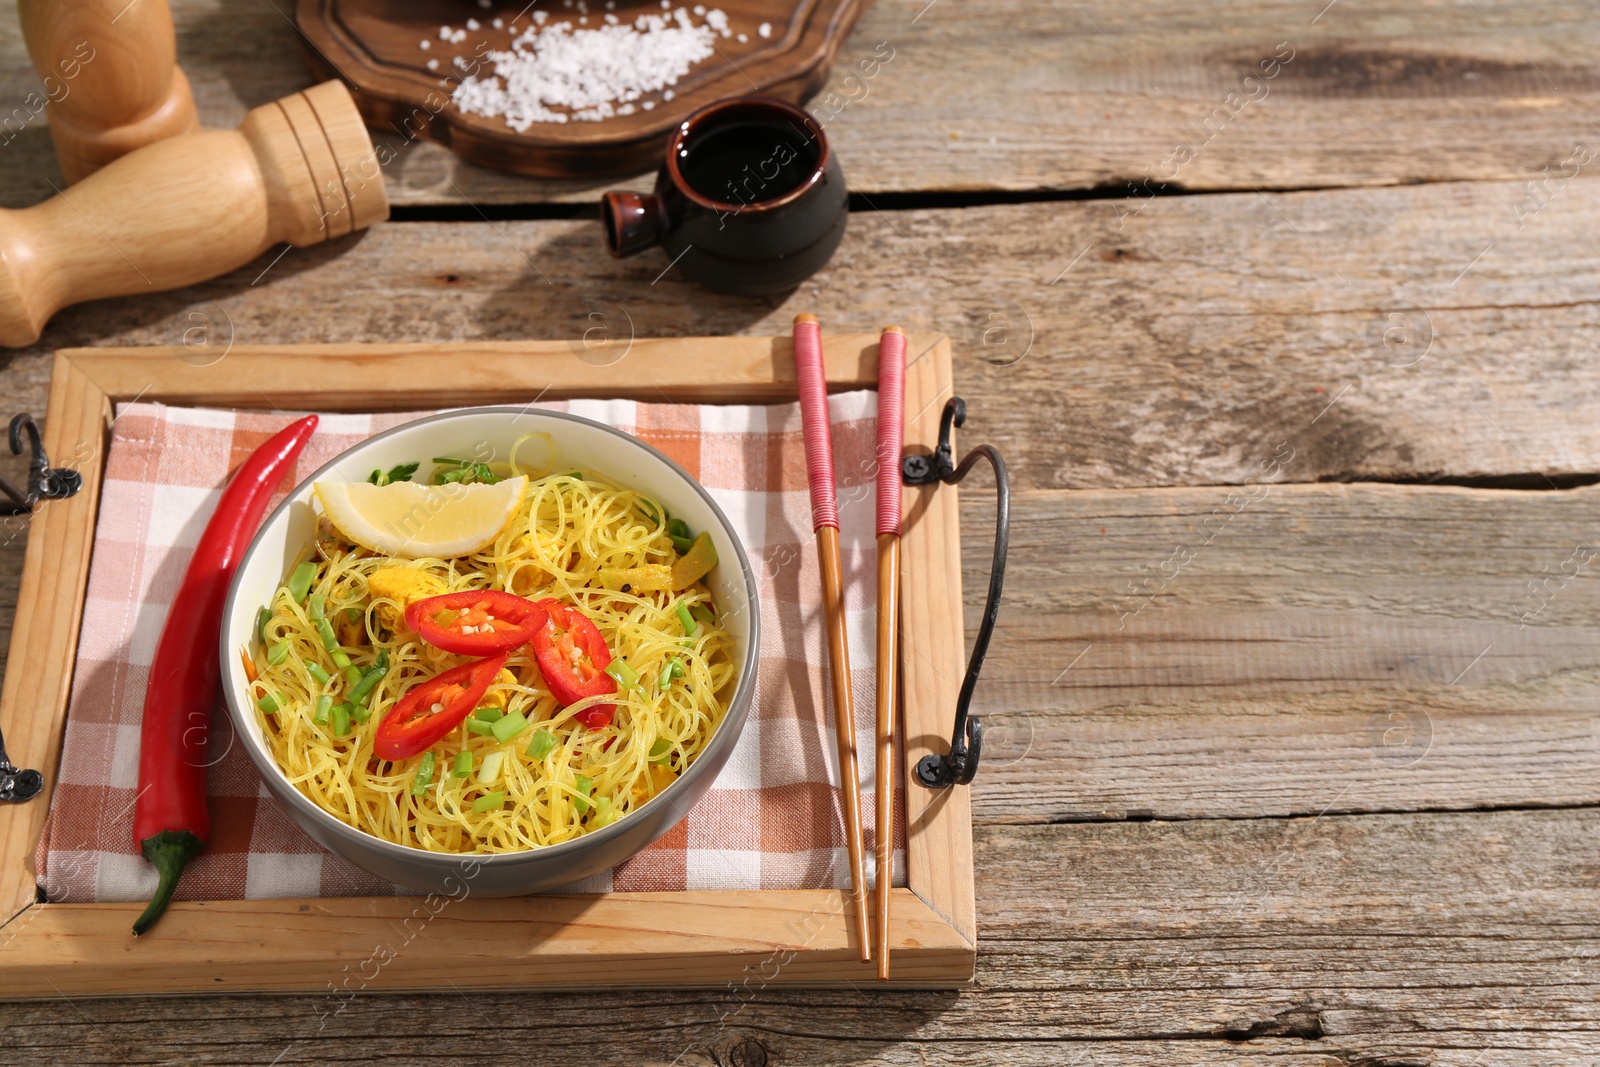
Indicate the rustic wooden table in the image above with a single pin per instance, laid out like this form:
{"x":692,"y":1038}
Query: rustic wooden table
{"x":1293,"y":707}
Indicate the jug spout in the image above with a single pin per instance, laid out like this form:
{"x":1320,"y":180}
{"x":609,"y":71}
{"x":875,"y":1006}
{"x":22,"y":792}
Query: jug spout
{"x":632,"y":221}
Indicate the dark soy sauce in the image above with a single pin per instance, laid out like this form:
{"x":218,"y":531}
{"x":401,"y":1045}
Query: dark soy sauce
{"x":748,"y":162}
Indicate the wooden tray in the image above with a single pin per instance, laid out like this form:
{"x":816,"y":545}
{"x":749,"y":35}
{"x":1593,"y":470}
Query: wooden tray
{"x":373,"y":46}
{"x":696,"y":939}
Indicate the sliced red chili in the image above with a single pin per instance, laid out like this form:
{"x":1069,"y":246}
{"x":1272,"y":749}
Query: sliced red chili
{"x":482,"y":622}
{"x":434,"y":708}
{"x":573,"y":658}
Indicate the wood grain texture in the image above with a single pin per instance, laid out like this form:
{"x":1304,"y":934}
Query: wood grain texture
{"x":122,"y":63}
{"x":47,"y":620}
{"x":1032,"y":95}
{"x":1181,"y":348}
{"x":1426,"y":940}
{"x":930,"y":662}
{"x":347,"y":945}
{"x":1287,"y":650}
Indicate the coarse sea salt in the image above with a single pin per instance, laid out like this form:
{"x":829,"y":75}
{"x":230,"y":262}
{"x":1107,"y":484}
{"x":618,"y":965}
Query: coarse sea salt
{"x":562,"y":74}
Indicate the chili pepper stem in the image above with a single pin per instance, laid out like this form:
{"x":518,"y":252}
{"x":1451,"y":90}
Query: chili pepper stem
{"x":169,"y":852}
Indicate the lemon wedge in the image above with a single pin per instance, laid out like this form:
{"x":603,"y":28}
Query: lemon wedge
{"x":418,"y":521}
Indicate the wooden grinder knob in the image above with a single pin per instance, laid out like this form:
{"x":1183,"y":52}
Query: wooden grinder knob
{"x":179,"y":211}
{"x":111,"y":74}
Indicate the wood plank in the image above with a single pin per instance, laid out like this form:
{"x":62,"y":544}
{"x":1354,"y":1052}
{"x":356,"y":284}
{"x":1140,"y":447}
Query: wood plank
{"x":353,"y":944}
{"x":1410,"y":939}
{"x":1181,"y":349}
{"x":1031,"y":95}
{"x":940,"y":864}
{"x":1185,"y":653}
{"x":397,"y":377}
{"x":48,"y":618}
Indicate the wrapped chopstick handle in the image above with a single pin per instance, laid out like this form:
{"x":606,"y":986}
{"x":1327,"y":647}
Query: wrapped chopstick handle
{"x":891,"y":427}
{"x":814,"y":419}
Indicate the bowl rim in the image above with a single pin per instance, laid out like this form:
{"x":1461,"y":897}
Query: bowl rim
{"x":743,"y":693}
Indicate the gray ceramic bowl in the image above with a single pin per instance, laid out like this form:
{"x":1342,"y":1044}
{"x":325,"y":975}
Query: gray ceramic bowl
{"x":576,"y":443}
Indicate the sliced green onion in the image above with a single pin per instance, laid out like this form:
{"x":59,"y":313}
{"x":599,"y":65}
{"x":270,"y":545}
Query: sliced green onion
{"x":623,"y":674}
{"x":542,"y":744}
{"x":584,"y":786}
{"x":509,"y":726}
{"x":263,"y":617}
{"x":269,"y":703}
{"x":447,"y":461}
{"x":316,"y":607}
{"x":488,"y":713}
{"x":368,"y":681}
{"x":424,"y":775}
{"x":605,"y":813}
{"x":576,"y":476}
{"x":324,"y":705}
{"x":690,"y":626}
{"x":300,"y":581}
{"x":330,"y":640}
{"x":701,"y":613}
{"x":341,"y":719}
{"x":681,"y":544}
{"x":491,"y":768}
{"x":679,"y":528}
{"x":278,"y":653}
{"x":489,"y":801}
{"x":660,"y":748}
{"x":352,"y":615}
{"x":673,"y":669}
{"x":360,"y":713}
{"x":478,"y":726}
{"x":352,"y":674}
{"x":462,"y":766}
{"x":316,"y":671}
{"x":341,"y":658}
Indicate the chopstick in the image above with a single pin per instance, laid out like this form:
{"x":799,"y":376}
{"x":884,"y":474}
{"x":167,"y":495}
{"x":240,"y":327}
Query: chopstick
{"x":891,"y":443}
{"x":825,"y":523}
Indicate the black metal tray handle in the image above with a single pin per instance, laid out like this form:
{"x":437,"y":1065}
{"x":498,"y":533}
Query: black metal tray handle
{"x":44,"y":483}
{"x":958,"y":767}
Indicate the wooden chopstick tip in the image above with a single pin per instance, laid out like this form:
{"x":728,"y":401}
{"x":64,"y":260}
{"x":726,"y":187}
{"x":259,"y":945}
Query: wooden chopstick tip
{"x":894,"y":329}
{"x":806,"y":316}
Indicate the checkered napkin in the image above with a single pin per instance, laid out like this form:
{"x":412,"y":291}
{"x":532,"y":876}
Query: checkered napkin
{"x":772,"y":820}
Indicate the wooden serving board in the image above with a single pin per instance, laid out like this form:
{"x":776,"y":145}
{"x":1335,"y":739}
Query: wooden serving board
{"x":612,"y":940}
{"x":374,"y":45}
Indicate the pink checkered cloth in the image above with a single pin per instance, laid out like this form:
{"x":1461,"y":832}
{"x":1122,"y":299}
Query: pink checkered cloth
{"x":772,"y":820}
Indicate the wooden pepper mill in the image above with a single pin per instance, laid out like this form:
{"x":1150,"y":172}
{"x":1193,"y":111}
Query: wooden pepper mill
{"x":179,"y":211}
{"x":111,"y":75}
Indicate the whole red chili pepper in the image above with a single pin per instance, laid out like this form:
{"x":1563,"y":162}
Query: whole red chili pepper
{"x":170,"y":822}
